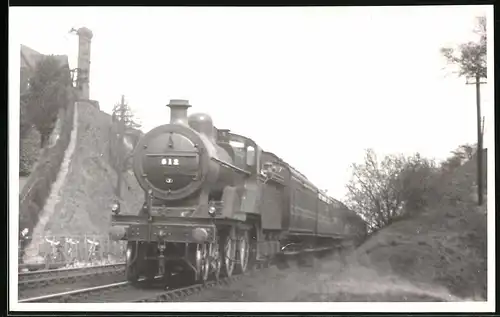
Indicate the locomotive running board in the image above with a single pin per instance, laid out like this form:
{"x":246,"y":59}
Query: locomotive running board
{"x":307,"y":251}
{"x":125,"y":220}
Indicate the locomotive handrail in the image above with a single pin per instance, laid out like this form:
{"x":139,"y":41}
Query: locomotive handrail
{"x":175,"y":153}
{"x":237,"y":169}
{"x":183,"y":208}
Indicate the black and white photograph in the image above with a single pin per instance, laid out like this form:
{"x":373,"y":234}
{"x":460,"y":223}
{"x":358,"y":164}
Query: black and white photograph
{"x":251,"y":159}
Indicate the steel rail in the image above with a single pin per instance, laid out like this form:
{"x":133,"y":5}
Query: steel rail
{"x":66,"y":296}
{"x":69,"y":279}
{"x":25,"y":277}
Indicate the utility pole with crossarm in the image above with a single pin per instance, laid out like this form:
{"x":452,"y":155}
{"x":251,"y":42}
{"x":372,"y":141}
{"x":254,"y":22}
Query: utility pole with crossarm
{"x":480,"y":128}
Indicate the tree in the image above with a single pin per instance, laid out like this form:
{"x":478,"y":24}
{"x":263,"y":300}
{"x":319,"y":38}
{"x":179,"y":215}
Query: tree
{"x":470,"y":58}
{"x":25,"y":124}
{"x":459,"y":156}
{"x":417,"y":183}
{"x":123,"y":115}
{"x":465,"y":152}
{"x":382,"y":192}
{"x":47,"y":93}
{"x":24,"y":120}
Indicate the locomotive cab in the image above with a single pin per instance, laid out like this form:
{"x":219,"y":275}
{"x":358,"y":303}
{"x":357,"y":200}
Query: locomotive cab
{"x":242,"y":150}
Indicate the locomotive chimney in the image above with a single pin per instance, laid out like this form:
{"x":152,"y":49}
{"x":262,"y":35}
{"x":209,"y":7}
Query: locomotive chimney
{"x":178,"y":111}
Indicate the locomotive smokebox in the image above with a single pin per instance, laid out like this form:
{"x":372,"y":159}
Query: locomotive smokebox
{"x":177,"y":161}
{"x":178,"y":111}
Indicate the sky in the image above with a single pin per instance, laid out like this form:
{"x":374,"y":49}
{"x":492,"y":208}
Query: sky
{"x":316,"y":86}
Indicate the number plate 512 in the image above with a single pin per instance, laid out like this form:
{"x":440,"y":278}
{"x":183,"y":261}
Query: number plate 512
{"x":169,"y":161}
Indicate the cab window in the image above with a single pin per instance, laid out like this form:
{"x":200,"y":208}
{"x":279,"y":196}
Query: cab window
{"x":239,"y":152}
{"x":250,"y":155}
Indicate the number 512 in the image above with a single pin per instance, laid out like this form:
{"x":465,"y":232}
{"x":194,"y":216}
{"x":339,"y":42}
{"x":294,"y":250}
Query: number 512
{"x":169,"y":161}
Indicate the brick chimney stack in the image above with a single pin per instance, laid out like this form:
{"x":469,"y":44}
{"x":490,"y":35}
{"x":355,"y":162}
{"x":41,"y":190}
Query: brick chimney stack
{"x":85,"y":36}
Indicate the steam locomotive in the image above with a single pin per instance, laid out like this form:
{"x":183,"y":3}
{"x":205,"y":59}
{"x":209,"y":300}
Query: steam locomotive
{"x":215,"y":203}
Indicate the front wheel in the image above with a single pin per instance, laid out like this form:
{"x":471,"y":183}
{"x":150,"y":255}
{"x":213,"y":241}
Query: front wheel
{"x":131,"y":267}
{"x":132,"y":273}
{"x":152,"y":267}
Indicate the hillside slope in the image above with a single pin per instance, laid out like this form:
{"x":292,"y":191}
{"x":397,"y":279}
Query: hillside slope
{"x":88,"y":192}
{"x":444,"y":247}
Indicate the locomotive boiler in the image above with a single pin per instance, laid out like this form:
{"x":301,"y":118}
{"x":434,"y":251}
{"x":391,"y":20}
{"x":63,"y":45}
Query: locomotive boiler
{"x":216,"y":203}
{"x":181,"y":163}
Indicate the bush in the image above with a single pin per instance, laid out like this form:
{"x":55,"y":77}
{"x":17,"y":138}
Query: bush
{"x":28,"y":218}
{"x":382,"y":192}
{"x":29,"y":151}
{"x":48,"y":93}
{"x":401,"y":187}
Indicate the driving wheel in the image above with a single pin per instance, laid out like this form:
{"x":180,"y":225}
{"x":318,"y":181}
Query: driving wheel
{"x":243,"y":251}
{"x":229,"y":252}
{"x":216,"y":261}
{"x":202,"y":262}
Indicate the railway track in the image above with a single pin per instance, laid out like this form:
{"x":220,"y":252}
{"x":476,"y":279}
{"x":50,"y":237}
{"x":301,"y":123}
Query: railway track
{"x":126,"y":292}
{"x":51,"y":281}
{"x":45,"y":275}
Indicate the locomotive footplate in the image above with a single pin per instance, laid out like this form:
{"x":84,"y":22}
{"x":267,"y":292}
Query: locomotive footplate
{"x":159,"y":229}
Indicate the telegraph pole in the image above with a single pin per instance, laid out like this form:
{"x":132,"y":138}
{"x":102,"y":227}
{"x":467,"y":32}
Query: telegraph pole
{"x":479,"y":141}
{"x":479,"y":144}
{"x":121,"y":132}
